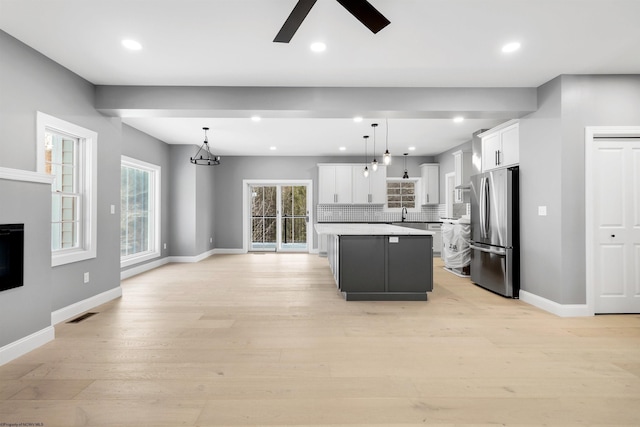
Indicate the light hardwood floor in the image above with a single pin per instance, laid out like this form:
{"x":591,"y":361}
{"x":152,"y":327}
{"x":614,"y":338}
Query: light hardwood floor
{"x":267,"y":340}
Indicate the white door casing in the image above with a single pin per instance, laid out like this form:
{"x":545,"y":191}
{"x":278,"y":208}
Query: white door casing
{"x":612,"y":218}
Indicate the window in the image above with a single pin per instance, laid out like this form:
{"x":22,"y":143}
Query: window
{"x":402,"y":193}
{"x":68,"y":153}
{"x":139,"y":211}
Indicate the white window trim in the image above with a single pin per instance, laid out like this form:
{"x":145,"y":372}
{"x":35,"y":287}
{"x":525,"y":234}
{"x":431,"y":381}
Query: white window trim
{"x":418,"y":189}
{"x":155,"y":181}
{"x":89,"y":172}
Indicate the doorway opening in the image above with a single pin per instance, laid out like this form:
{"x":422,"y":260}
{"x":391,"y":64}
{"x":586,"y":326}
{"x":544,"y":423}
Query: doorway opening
{"x":277,"y":216}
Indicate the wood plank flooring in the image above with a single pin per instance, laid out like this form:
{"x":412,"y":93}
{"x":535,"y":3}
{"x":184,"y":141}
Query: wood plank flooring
{"x":244,"y":340}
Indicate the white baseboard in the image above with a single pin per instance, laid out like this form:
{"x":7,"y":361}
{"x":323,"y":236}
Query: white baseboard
{"x":562,"y":310}
{"x":142,"y":268}
{"x":195,"y":258}
{"x":79,"y":307}
{"x":24,"y":345}
{"x":222,"y":251}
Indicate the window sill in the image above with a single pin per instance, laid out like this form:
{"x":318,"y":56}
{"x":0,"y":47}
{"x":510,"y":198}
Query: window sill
{"x":68,"y":257}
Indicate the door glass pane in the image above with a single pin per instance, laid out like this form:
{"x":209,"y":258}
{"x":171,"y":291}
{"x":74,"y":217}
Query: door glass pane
{"x":263,"y":217}
{"x":300,"y":200}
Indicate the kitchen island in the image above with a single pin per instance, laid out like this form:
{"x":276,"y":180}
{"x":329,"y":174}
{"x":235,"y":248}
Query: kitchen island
{"x":379,"y":262}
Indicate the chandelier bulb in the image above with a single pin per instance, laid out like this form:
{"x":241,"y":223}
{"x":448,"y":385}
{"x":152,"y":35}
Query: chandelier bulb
{"x":386,"y":158}
{"x":365,"y":172}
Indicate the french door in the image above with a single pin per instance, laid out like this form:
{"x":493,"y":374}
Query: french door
{"x":279,"y":217}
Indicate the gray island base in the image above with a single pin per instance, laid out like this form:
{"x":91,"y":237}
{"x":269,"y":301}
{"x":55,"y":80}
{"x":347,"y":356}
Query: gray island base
{"x":379,"y":262}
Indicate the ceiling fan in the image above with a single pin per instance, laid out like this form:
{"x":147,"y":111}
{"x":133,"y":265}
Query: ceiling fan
{"x":361,"y":9}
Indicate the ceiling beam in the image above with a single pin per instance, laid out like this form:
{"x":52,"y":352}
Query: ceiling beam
{"x":314,"y":102}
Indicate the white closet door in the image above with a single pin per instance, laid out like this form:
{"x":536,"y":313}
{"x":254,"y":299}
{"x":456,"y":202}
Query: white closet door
{"x":616,"y":169}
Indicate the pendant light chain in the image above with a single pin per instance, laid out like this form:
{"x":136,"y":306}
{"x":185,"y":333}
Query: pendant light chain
{"x":386,"y":158}
{"x":374,"y":162}
{"x":365,"y":172}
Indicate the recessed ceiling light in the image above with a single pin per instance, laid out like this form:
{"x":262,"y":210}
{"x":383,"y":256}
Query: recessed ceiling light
{"x":318,"y":47}
{"x":342,"y":148}
{"x":272,"y":148}
{"x":131,"y":44}
{"x":458,"y":119}
{"x":510,"y":47}
{"x":412,"y":148}
{"x":357,"y":119}
{"x":255,"y":118}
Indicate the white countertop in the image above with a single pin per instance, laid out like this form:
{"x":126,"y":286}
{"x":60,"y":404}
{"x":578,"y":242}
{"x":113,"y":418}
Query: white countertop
{"x":369,"y":230}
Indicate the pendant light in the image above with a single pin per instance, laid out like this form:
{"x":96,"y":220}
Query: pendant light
{"x":365,"y":172}
{"x":204,"y":157}
{"x":374,"y":162}
{"x":387,"y":156}
{"x":406,"y":174}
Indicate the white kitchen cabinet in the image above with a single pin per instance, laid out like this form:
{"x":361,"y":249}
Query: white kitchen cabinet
{"x":430,"y":173}
{"x":335,"y":184}
{"x":462,"y":168}
{"x":371,"y":189}
{"x":501,"y":146}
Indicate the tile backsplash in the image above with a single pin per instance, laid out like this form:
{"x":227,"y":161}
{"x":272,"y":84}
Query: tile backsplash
{"x":369,"y":213}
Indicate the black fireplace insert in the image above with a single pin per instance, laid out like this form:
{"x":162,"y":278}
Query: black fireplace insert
{"x":11,"y":256}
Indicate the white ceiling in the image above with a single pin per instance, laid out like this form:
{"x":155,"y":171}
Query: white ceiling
{"x":429,"y":43}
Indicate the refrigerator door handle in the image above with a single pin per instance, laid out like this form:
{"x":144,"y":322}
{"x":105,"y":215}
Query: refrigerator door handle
{"x":481,"y":203}
{"x":501,"y":252}
{"x":485,"y":208}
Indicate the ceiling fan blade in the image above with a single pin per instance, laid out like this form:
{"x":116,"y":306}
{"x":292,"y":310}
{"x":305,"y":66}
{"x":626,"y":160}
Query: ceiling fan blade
{"x":365,"y":13}
{"x":293,"y":22}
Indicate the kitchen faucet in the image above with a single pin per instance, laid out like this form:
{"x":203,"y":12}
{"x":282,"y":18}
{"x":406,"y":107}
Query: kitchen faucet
{"x":404,"y":213}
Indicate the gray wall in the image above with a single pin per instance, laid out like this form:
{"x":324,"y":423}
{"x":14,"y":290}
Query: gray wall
{"x":30,"y":82}
{"x":27,"y":309}
{"x":141,"y":146}
{"x":552,"y":160}
{"x":192,"y":203}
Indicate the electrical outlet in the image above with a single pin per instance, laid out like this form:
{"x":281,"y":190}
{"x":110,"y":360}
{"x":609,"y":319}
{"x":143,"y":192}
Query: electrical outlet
{"x":210,"y":239}
{"x":164,"y":246}
{"x":86,"y":277}
{"x":113,"y":209}
{"x":542,"y":210}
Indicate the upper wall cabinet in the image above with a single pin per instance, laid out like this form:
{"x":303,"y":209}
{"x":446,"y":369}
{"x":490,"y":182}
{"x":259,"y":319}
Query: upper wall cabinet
{"x":371,"y":189}
{"x":335,"y":184}
{"x":501,"y":146}
{"x":430,"y":174}
{"x":345,"y":184}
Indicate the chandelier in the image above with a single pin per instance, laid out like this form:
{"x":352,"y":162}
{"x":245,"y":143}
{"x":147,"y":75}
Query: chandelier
{"x":203,"y":156}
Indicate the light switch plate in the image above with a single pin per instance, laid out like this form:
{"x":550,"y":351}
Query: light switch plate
{"x":394,"y":239}
{"x":113,"y":209}
{"x":542,"y":210}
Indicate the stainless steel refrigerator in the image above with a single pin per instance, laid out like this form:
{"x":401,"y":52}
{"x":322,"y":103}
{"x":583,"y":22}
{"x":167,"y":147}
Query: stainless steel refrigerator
{"x":495,"y":231}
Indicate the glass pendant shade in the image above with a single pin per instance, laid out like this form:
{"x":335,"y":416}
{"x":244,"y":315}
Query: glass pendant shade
{"x":365,"y":172}
{"x":386,"y":158}
{"x":374,"y":165}
{"x":406,"y":174}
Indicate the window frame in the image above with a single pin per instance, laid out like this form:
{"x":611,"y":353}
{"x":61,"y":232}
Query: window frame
{"x":87,"y":177}
{"x":155,"y":191}
{"x":418,"y":194}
